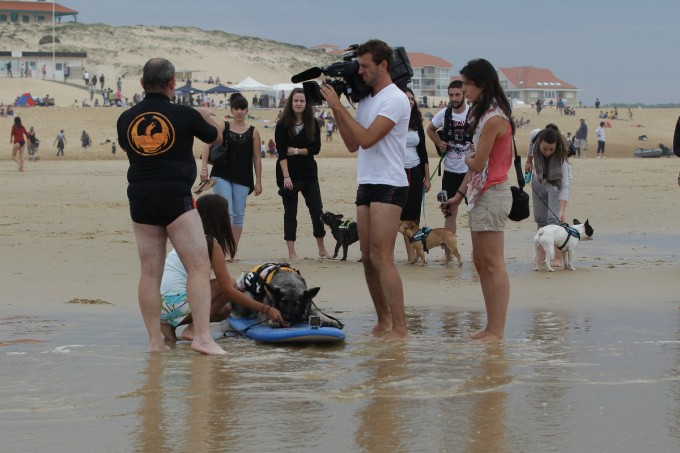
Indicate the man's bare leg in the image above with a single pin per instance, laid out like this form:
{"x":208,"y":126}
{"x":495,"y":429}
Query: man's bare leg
{"x":384,"y":323}
{"x":449,"y":224}
{"x":450,"y":221}
{"x":381,"y":271}
{"x":151,"y":243}
{"x":186,"y":234}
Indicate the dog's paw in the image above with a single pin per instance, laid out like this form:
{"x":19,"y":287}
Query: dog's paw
{"x":331,"y":323}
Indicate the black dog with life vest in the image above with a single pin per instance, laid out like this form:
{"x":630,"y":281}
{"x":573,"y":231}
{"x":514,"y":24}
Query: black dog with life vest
{"x":345,"y":232}
{"x":281,"y":286}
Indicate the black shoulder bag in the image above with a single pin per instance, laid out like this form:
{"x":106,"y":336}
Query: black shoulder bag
{"x":520,"y":199}
{"x":219,"y":153}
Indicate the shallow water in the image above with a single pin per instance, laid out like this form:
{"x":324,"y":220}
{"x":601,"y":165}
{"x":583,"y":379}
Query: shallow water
{"x":562,"y":382}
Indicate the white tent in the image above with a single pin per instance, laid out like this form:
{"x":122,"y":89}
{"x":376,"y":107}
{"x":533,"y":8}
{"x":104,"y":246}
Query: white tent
{"x":250,"y":84}
{"x":286,"y":86}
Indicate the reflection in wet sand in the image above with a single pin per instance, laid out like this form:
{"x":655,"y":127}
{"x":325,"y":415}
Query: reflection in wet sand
{"x":488,"y":429}
{"x":562,"y":382}
{"x":185,"y":404}
{"x":381,"y":426}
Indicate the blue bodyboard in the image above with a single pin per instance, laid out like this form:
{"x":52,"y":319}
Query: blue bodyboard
{"x":296,"y":333}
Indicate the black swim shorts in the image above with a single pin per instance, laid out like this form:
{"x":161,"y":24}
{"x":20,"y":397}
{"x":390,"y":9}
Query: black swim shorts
{"x":159,"y":203}
{"x":160,"y":211}
{"x":381,"y":193}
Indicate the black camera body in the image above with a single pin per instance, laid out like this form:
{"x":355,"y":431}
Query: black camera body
{"x":344,"y":76}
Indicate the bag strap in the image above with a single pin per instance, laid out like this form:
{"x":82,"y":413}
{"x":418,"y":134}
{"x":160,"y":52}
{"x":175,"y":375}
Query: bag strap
{"x":518,"y":164}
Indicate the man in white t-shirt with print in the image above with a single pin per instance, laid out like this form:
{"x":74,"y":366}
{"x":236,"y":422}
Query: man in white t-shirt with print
{"x":454,"y":142}
{"x":379,"y":135}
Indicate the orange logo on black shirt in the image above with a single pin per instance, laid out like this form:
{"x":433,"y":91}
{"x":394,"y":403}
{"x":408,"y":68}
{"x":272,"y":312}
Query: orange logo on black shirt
{"x":151,"y":133}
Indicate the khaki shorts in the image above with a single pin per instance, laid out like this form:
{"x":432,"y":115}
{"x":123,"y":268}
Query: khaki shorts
{"x":492,"y":209}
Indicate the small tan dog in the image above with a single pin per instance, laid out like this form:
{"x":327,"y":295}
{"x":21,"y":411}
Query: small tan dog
{"x":436,"y":237}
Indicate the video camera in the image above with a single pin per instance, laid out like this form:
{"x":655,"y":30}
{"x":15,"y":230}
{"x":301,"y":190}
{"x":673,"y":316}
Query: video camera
{"x":346,"y":79}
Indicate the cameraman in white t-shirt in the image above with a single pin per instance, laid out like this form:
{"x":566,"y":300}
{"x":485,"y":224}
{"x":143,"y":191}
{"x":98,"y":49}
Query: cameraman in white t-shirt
{"x":454,"y":142}
{"x":379,"y":135}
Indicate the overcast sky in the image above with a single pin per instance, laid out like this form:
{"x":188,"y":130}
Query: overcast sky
{"x":617,"y":50}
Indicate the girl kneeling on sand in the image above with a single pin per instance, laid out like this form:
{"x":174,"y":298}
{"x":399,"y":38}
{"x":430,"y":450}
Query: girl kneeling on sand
{"x":214,"y":212}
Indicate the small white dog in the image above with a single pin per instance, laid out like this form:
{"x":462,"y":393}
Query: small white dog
{"x":564,"y":237}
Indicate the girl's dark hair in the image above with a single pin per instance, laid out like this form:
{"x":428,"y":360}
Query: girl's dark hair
{"x":17,"y":121}
{"x":214,"y":212}
{"x":288,"y":116}
{"x":238,"y":101}
{"x":416,"y":118}
{"x":551,"y":134}
{"x":484,"y":76}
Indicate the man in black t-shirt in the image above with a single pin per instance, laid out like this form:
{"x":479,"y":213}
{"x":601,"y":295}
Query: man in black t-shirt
{"x":158,"y":138}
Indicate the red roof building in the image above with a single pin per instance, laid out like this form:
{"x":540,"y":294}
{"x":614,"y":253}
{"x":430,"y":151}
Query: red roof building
{"x":25,"y":12}
{"x":431,"y":75}
{"x":528,"y":84}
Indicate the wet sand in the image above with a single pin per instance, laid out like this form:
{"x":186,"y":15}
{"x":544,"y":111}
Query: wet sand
{"x":590,"y":363}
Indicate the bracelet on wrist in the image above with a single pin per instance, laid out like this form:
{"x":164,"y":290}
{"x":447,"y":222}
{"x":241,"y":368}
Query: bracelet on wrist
{"x":286,"y":177}
{"x":461,"y":194}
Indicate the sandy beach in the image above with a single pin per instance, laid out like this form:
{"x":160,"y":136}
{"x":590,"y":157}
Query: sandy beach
{"x":590,"y":362}
{"x":585,"y":350}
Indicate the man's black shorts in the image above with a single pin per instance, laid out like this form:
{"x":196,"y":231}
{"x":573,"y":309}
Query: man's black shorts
{"x":451,"y":183}
{"x":381,"y":193}
{"x":159,"y":203}
{"x":159,"y":211}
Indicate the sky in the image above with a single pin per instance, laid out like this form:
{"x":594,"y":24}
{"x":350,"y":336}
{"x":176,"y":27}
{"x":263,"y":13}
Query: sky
{"x":619,"y":51}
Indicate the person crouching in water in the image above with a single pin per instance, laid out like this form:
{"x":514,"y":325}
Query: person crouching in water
{"x":214,"y":212}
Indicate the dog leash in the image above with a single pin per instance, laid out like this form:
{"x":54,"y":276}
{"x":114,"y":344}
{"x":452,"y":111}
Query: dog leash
{"x":544,"y":203}
{"x":422,"y":214}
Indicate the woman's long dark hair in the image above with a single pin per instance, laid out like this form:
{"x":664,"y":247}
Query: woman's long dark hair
{"x":288,"y":116}
{"x":17,"y":121}
{"x":484,"y":76}
{"x":552,"y":135}
{"x":416,"y":119}
{"x":214,"y":212}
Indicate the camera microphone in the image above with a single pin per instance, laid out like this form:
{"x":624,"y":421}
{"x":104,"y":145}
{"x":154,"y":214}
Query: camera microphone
{"x":308,"y":74}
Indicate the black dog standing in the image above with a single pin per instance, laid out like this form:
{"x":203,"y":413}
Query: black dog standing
{"x":345,"y":232}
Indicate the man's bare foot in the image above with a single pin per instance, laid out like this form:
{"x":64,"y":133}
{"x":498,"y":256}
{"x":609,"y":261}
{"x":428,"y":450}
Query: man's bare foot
{"x":188,"y":332}
{"x":393,"y":335}
{"x":491,"y":338}
{"x":557,"y":263}
{"x":168,"y":332}
{"x":208,"y":347}
{"x":324,"y":253}
{"x":478,"y":335}
{"x":293,"y":257}
{"x":379,"y":330}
